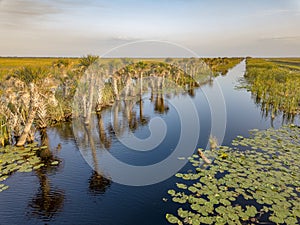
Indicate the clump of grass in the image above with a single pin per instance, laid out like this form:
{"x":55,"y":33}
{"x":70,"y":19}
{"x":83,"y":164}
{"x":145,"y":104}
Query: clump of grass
{"x":213,"y":142}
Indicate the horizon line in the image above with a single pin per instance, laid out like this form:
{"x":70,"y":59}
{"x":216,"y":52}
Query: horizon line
{"x":147,"y":57}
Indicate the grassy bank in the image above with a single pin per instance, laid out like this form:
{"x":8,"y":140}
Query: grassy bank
{"x":275,"y":86}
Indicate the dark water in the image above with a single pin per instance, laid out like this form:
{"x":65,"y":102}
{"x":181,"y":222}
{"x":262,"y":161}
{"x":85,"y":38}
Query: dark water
{"x":73,"y":194}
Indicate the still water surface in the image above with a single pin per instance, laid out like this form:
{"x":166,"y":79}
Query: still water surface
{"x":74,"y":194}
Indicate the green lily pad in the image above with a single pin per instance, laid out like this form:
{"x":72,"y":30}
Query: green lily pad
{"x":172,"y":219}
{"x":265,"y":173}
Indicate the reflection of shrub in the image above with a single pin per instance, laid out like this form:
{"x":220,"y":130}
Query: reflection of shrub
{"x":98,"y":184}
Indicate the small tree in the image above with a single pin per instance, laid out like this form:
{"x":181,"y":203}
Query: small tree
{"x":87,"y":65}
{"x":87,"y":61}
{"x":30,"y":76}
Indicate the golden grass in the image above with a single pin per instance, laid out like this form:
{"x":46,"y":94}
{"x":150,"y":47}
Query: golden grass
{"x":288,"y":63}
{"x":10,"y":64}
{"x":275,"y":87}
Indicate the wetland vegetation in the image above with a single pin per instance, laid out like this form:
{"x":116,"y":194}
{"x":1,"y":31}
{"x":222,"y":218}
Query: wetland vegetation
{"x":37,"y":93}
{"x":254,"y":180}
{"x":275,"y":85}
{"x":40,"y":93}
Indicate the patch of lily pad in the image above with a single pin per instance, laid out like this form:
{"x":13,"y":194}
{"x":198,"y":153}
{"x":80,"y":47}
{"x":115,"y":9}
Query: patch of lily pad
{"x":14,"y":159}
{"x":257,"y":180}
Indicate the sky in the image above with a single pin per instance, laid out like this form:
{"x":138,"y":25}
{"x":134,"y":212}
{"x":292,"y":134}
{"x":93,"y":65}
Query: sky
{"x":144,"y":28}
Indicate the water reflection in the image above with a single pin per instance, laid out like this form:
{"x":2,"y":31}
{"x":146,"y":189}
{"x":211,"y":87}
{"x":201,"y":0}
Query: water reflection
{"x":135,"y":95}
{"x":48,"y":200}
{"x":126,"y":116}
{"x":143,"y":120}
{"x":113,"y":122}
{"x":270,"y":111}
{"x":104,"y":136}
{"x":64,"y":131}
{"x":160,"y":105}
{"x":128,"y":88}
{"x":97,"y":182}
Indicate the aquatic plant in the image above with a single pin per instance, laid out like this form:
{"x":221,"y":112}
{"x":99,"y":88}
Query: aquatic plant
{"x":213,"y":142}
{"x":13,"y":159}
{"x":274,"y":88}
{"x":255,"y":181}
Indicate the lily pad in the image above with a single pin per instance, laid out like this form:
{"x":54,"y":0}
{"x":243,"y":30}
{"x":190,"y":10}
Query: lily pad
{"x":263,"y":176}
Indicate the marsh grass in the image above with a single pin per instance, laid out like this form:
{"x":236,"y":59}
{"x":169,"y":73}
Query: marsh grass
{"x":289,"y":63}
{"x":274,"y":87}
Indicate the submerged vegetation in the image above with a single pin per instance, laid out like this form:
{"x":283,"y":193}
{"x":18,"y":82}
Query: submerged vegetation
{"x":275,"y":85}
{"x":255,"y":181}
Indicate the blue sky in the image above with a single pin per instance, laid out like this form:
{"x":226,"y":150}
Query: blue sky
{"x":206,"y":27}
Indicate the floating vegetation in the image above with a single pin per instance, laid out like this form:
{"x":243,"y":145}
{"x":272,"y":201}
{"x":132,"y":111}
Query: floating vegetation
{"x":274,"y":87}
{"x":13,"y":159}
{"x":256,"y":182}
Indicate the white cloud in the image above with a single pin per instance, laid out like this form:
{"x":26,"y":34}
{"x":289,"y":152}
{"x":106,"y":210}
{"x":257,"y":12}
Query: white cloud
{"x":17,"y":13}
